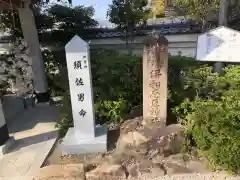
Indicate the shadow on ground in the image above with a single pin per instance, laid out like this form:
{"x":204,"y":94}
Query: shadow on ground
{"x":32,"y":140}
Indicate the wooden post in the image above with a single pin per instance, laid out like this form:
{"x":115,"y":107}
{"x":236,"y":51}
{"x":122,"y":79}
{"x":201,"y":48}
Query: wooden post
{"x":155,"y":70}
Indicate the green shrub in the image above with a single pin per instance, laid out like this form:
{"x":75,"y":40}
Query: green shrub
{"x":116,"y":76}
{"x":212,"y":117}
{"x":178,"y":68}
{"x":111,"y":110}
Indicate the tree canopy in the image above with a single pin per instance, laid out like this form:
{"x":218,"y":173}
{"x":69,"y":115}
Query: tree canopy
{"x":200,"y":10}
{"x":62,"y":21}
{"x":127,"y":15}
{"x":66,"y":17}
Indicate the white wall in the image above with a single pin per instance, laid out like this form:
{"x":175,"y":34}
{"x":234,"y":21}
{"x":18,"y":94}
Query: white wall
{"x":184,"y":43}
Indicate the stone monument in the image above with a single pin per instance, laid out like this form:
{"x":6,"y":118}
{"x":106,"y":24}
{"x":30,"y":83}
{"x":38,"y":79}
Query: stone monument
{"x":85,"y":137}
{"x":5,"y":140}
{"x":155,"y":70}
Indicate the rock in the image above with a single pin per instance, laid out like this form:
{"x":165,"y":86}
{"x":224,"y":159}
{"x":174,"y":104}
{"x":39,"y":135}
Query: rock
{"x":133,"y":171}
{"x":153,"y":153}
{"x":130,"y":140}
{"x":107,"y":170}
{"x":172,"y":168}
{"x":146,"y":169}
{"x":177,"y":159}
{"x":153,"y":140}
{"x":145,"y":164}
{"x":153,"y":173}
{"x":152,"y":131}
{"x":171,"y":139}
{"x":197,"y":166}
{"x":158,"y":159}
{"x":70,"y":171}
{"x":122,"y":158}
{"x":131,"y":125}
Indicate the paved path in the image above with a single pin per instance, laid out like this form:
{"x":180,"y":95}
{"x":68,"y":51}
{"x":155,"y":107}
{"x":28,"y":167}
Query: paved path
{"x":35,"y":135}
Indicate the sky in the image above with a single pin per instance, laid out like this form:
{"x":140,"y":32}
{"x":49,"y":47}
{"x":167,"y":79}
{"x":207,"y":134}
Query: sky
{"x":100,"y":7}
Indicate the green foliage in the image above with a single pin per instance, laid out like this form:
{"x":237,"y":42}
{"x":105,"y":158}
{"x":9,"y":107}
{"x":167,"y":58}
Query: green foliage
{"x":111,"y":110}
{"x":63,"y":20}
{"x":212,"y":116}
{"x":116,"y":76}
{"x":10,"y":20}
{"x":178,"y":68}
{"x":78,"y":17}
{"x":127,"y":15}
{"x":198,"y":9}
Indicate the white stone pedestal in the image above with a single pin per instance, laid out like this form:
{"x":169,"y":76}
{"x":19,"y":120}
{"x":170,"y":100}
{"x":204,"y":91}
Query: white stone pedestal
{"x":74,"y":143}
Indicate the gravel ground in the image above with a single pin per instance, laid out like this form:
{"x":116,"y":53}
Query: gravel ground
{"x":192,"y":176}
{"x":210,"y":176}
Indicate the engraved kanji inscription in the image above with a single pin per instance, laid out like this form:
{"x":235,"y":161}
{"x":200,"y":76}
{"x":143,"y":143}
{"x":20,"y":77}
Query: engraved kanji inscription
{"x":82,"y":113}
{"x":155,"y":73}
{"x":77,"y":65}
{"x":79,"y":82}
{"x":154,"y":84}
{"x":80,"y":97}
{"x":85,"y":64}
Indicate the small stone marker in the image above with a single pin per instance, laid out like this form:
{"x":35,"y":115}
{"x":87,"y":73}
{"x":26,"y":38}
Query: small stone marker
{"x":85,"y":137}
{"x":155,"y":69}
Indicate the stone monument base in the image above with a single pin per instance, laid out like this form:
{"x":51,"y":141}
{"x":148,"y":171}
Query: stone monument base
{"x":74,"y":144}
{"x":7,"y":146}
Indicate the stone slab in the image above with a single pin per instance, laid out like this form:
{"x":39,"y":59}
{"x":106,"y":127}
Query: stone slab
{"x":34,"y":135}
{"x":4,"y":148}
{"x":41,"y":157}
{"x":73,"y":144}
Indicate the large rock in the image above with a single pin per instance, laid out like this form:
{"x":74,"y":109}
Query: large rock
{"x":60,"y":172}
{"x":130,"y":140}
{"x":197,"y":166}
{"x":156,"y":139}
{"x":146,"y":169}
{"x":131,"y":125}
{"x":173,"y":168}
{"x":107,"y":171}
{"x":167,"y":141}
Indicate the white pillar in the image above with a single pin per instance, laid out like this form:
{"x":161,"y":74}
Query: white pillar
{"x":31,"y":37}
{"x":4,"y":136}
